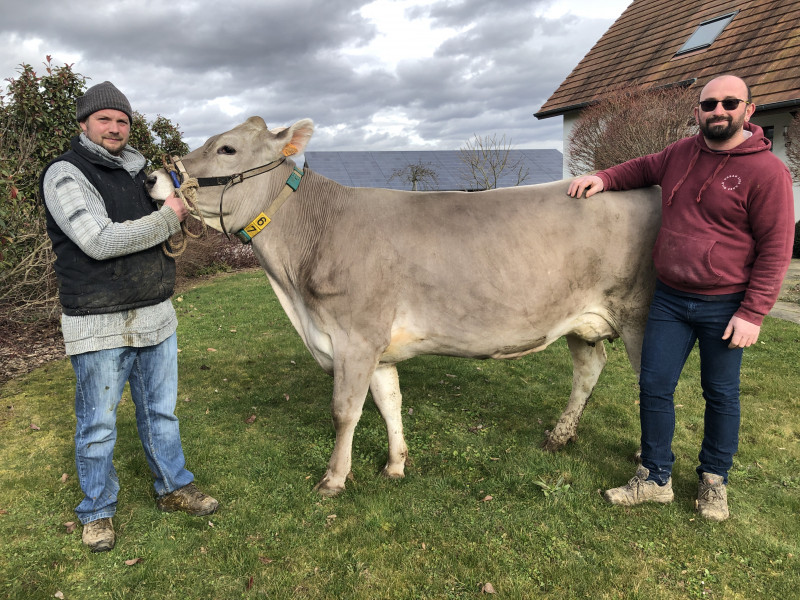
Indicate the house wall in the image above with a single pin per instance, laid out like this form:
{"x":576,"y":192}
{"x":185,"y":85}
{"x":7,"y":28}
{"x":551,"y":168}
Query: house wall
{"x":778,"y":120}
{"x":569,"y":122}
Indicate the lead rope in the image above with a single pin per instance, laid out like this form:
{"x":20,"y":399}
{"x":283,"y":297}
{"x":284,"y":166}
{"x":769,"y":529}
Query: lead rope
{"x":186,"y":191}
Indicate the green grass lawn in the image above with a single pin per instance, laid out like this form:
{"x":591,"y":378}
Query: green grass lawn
{"x":481,"y":502}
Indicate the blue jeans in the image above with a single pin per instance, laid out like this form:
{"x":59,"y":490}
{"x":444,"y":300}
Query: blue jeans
{"x":153,"y":375}
{"x":674,"y":324}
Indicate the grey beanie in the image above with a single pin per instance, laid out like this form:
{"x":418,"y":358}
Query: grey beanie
{"x":100,"y":96}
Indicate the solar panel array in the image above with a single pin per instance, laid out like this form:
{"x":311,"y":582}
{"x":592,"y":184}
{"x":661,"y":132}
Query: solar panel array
{"x":377,"y":169}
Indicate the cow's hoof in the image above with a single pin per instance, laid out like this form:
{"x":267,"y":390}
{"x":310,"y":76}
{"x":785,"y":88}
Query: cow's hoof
{"x":324,"y":489}
{"x":554,"y":443}
{"x":552,"y":446}
{"x":327,"y":488}
{"x":393,"y":472}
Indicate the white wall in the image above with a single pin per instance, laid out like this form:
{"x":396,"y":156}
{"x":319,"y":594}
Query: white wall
{"x":569,"y":122}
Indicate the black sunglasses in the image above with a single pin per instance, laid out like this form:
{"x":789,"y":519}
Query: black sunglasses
{"x":727,"y":104}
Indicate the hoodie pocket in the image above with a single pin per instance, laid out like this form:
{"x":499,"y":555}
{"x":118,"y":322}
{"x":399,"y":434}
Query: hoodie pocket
{"x":685,"y":261}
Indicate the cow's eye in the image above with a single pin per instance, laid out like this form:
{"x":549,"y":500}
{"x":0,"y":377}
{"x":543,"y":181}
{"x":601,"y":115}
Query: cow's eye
{"x":226,"y":150}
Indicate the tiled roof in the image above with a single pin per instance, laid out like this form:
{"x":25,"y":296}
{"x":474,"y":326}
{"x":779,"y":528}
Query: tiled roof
{"x":375,"y":169}
{"x":761,"y":44}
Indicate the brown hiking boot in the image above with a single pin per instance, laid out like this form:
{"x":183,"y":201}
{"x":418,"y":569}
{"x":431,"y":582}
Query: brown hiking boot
{"x":99,"y":535}
{"x":639,"y":490}
{"x":188,"y":499}
{"x":712,"y":497}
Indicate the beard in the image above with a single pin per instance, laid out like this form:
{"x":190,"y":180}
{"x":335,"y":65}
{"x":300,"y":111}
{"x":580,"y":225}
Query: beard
{"x":714,"y":130}
{"x":114,"y":146}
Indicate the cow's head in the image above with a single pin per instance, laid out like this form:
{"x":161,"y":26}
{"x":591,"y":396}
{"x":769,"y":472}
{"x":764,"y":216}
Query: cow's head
{"x":245,"y":147}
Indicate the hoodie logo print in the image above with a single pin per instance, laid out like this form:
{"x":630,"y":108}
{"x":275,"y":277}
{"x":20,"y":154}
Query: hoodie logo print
{"x":731,"y":182}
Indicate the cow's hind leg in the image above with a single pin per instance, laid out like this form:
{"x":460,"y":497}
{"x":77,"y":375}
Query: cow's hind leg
{"x":588,"y":360}
{"x":385,"y":388}
{"x":633,"y":337}
{"x":351,"y":379}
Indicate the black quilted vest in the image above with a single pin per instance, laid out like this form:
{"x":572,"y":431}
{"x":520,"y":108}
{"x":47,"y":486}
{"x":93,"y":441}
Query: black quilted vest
{"x":87,"y":286}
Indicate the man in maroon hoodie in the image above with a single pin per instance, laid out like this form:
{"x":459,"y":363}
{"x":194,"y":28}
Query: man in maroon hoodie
{"x":724,"y":246}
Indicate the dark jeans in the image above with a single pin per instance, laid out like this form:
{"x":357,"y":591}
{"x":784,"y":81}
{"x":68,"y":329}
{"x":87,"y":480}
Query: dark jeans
{"x":673,"y":325}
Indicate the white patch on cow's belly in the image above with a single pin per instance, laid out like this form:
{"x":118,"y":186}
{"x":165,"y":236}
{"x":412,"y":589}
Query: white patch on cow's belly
{"x":407,"y":341}
{"x":590,"y":327}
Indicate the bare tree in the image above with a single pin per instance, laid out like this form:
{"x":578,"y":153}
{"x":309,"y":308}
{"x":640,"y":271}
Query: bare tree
{"x":420,"y":176}
{"x":486,"y":159}
{"x":793,"y":147}
{"x":630,"y":122}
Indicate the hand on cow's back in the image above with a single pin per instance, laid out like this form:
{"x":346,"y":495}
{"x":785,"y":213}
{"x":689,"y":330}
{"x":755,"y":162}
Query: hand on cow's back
{"x":590,"y":184}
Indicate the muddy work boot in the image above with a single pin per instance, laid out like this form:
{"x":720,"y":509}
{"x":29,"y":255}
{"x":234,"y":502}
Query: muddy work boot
{"x":187,"y":499}
{"x":712,"y":497}
{"x":99,"y":535}
{"x":639,"y":490}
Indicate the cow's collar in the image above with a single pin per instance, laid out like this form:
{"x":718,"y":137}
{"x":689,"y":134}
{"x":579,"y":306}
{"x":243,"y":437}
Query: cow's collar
{"x":262,"y":220}
{"x":229,"y":181}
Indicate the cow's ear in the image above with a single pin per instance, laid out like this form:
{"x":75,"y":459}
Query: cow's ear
{"x":297,"y":137}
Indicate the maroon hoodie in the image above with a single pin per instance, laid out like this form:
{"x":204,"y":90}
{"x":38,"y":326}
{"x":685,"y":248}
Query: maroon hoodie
{"x":727,"y":218}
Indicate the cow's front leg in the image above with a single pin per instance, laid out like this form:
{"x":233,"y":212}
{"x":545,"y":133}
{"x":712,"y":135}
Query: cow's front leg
{"x":588,"y":361}
{"x":385,"y":388}
{"x":350,"y":384}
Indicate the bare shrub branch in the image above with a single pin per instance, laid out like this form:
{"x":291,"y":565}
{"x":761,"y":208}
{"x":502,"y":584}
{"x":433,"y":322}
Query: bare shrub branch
{"x":212,"y":253}
{"x":627,"y":123}
{"x":793,"y":148}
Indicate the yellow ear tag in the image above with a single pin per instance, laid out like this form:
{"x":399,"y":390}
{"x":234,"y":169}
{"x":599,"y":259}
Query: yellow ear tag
{"x":289,"y":149}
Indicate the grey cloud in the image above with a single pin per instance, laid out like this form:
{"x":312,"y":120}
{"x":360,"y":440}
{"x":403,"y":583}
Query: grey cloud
{"x":193,"y":61}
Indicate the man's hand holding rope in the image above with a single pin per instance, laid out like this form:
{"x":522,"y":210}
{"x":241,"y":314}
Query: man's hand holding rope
{"x":182,"y":200}
{"x":178,"y":205}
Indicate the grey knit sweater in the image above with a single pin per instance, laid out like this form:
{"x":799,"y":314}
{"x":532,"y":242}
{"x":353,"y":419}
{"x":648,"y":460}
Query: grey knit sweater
{"x":80,"y":213}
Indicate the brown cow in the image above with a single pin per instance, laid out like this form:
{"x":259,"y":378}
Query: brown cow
{"x":371,"y":277}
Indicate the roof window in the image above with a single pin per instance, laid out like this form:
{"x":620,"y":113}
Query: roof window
{"x":706,"y":33}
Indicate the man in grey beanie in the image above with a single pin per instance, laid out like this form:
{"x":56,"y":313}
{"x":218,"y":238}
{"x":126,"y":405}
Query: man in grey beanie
{"x":115,"y":285}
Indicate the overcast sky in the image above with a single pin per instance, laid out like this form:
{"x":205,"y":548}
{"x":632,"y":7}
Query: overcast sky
{"x":373,"y":75}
